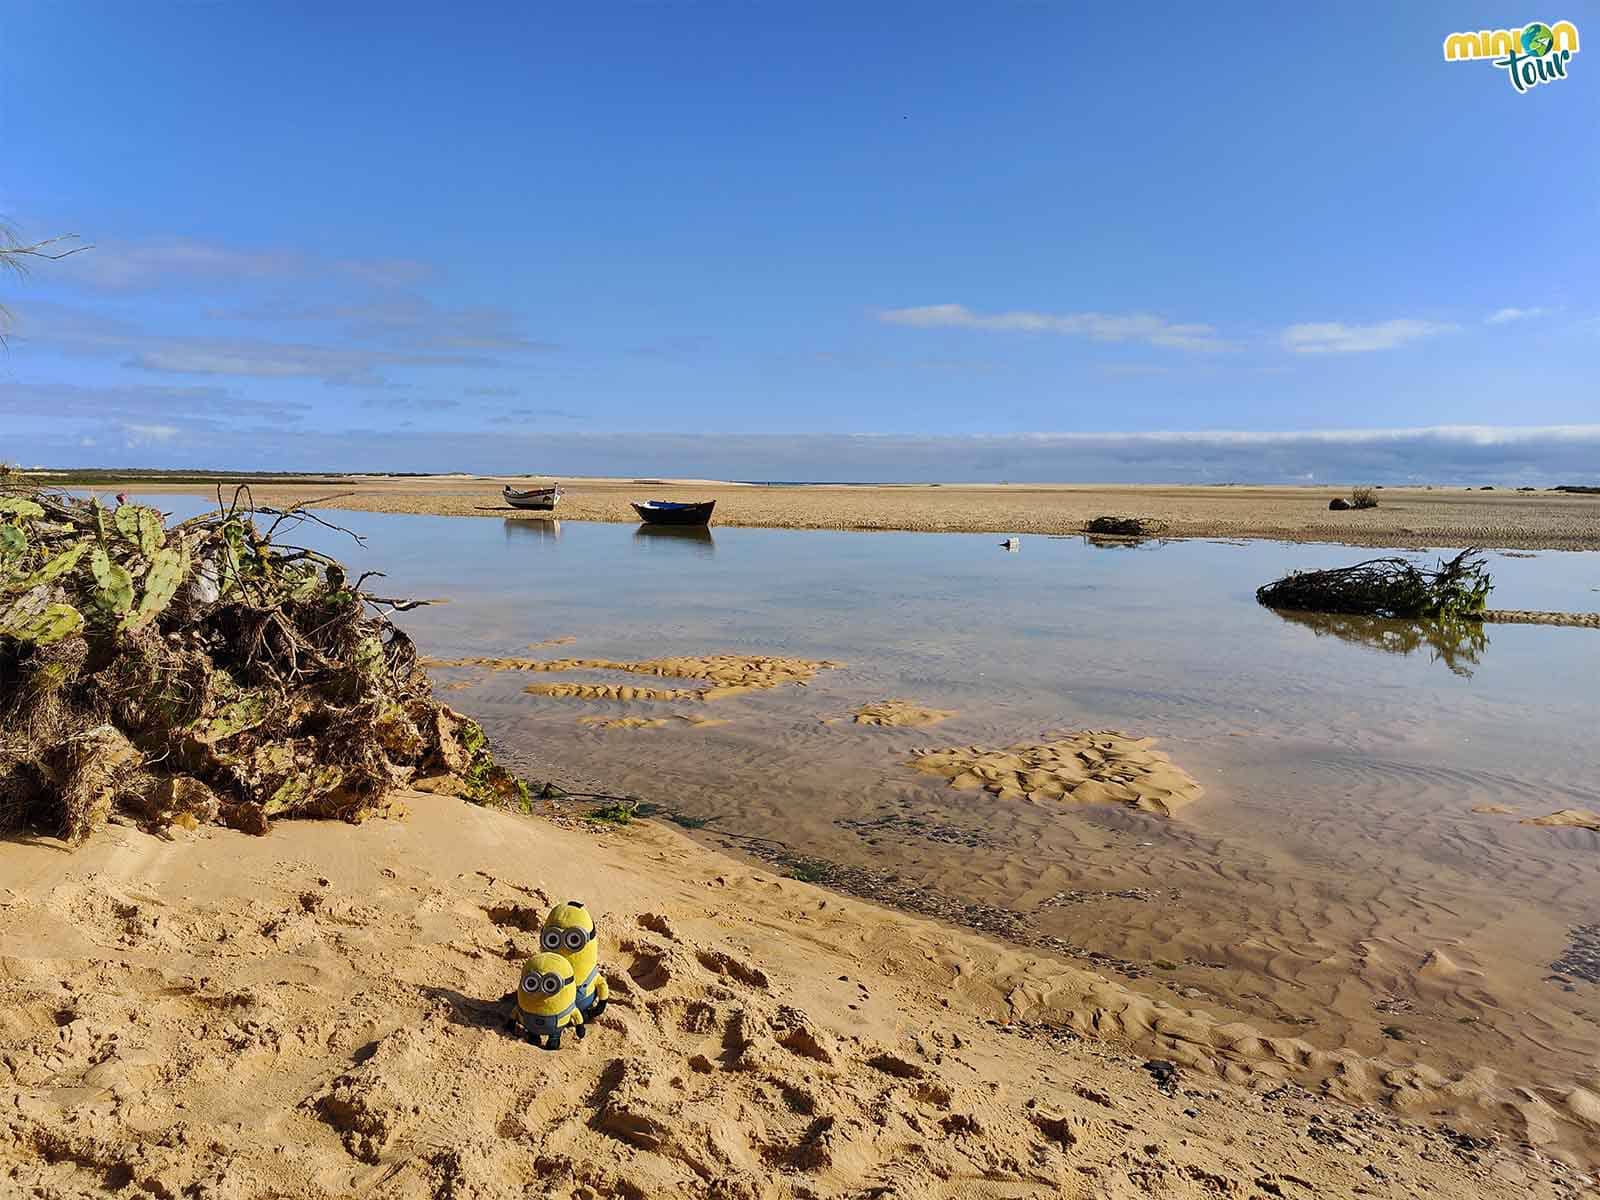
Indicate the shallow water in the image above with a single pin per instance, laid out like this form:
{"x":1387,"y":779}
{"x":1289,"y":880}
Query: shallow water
{"x":1334,"y":879}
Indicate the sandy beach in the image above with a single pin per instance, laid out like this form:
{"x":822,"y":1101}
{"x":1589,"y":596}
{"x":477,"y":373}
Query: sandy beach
{"x":319,"y":1012}
{"x":1405,"y":517}
{"x":1050,"y":957}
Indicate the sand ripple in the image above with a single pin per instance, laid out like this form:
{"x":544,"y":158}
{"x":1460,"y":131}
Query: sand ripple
{"x":1091,"y":767}
{"x":601,"y":722}
{"x":900,"y":712}
{"x":611,"y":691}
{"x":728,"y":674}
{"x":1570,"y":818}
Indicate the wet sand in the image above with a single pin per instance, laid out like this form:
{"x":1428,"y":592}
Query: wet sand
{"x":320,"y":1013}
{"x":1387,"y":915}
{"x":1502,"y":519}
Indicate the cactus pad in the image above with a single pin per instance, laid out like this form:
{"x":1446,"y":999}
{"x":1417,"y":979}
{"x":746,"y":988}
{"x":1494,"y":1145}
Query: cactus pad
{"x":113,"y":585}
{"x":19,"y":506}
{"x":141,"y":525}
{"x":54,"y":569}
{"x":12,"y":541}
{"x":168,"y":569}
{"x":50,"y":624}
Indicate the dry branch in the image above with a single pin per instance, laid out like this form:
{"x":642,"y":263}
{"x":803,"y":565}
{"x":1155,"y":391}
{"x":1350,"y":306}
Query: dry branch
{"x":1387,"y":587}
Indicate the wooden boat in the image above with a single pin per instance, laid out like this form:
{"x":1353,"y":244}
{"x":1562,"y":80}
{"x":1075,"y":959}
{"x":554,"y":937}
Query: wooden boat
{"x":543,"y":499}
{"x":668,"y":512}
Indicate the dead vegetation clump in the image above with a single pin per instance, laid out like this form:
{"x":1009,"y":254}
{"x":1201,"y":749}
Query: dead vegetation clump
{"x":1388,"y":587}
{"x":1112,"y":526}
{"x":206,"y":672}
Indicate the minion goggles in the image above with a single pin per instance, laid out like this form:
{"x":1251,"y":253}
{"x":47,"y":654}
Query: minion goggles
{"x":573,"y":940}
{"x":548,"y":984}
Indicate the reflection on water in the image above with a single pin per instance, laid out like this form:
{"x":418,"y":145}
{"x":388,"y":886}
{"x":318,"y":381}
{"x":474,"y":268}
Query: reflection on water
{"x":542,"y":529}
{"x":1101,"y":541}
{"x":695,"y":539}
{"x":1459,"y":645}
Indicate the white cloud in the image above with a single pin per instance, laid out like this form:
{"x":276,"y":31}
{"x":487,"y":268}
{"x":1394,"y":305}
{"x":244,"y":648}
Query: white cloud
{"x":280,"y":360}
{"x":1504,"y":315}
{"x":139,"y":404}
{"x":1335,"y":337}
{"x":90,"y":334}
{"x":1135,"y":369}
{"x":145,"y":435}
{"x":123,"y":265}
{"x":402,"y":319}
{"x":1101,"y":327}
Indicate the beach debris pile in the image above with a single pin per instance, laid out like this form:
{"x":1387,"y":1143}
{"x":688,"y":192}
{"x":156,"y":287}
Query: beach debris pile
{"x":206,"y":672}
{"x":1094,"y":766}
{"x":1360,"y":498}
{"x":1112,"y":526}
{"x":1388,"y":587}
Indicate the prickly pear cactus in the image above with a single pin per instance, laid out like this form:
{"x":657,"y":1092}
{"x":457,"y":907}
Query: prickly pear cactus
{"x":308,"y":585}
{"x":13,"y":541}
{"x":369,"y":657}
{"x":31,"y":617}
{"x":52,"y":570}
{"x":20,"y":610}
{"x":113,"y":584}
{"x":168,"y":569}
{"x":56,"y":622}
{"x":19,"y":506}
{"x":141,"y":525}
{"x":235,"y":548}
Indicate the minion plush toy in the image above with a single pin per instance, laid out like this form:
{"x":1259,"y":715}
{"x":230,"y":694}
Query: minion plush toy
{"x":569,"y":931}
{"x":547,"y":1000}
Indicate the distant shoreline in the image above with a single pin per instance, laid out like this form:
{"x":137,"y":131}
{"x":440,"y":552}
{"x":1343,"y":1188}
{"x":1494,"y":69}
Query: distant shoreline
{"x":1410,"y":517}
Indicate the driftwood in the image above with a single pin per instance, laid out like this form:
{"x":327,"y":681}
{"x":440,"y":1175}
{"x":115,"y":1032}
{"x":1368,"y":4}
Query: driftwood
{"x":1387,"y":587}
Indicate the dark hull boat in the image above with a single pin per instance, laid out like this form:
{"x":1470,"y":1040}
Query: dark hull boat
{"x":666,"y":512}
{"x":538,"y":499}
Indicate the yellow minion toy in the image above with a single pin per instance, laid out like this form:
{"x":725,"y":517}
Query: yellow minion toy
{"x":569,"y":931}
{"x":547,"y":1000}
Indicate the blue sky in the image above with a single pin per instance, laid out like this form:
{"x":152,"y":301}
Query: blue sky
{"x":504,"y":237}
